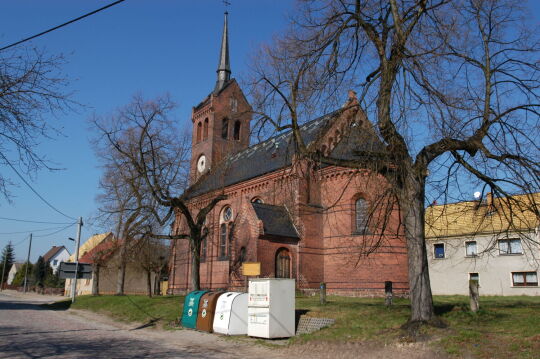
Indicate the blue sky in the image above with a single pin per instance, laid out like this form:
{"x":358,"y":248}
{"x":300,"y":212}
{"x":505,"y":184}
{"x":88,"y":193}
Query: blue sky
{"x":151,"y":47}
{"x":147,"y":46}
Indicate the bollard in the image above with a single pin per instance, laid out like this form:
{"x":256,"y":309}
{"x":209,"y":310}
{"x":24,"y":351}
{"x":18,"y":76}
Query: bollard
{"x":474,"y":295}
{"x":388,"y":293}
{"x":322,"y":293}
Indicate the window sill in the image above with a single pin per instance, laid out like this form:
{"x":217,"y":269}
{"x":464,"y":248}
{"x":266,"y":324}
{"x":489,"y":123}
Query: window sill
{"x":439,"y":258}
{"x":524,"y":286}
{"x":510,"y":254}
{"x":472,"y":256}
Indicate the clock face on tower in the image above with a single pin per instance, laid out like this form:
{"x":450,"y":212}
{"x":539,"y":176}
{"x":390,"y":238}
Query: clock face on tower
{"x":201,"y":164}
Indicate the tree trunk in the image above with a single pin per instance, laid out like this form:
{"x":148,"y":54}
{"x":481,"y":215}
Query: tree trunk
{"x":120,"y":279}
{"x":149,"y":283}
{"x":95,"y":279}
{"x":412,"y":204}
{"x":195,"y":265}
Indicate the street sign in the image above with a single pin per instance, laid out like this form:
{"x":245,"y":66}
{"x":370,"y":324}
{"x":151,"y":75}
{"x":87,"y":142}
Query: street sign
{"x":251,"y":268}
{"x":67,"y":270}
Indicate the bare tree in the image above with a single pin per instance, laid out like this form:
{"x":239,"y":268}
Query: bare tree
{"x":451,"y":87}
{"x":31,"y":88}
{"x":152,"y":256}
{"x":155,"y":158}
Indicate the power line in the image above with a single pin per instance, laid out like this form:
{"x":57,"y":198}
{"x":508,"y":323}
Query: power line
{"x":53,"y":233}
{"x":38,"y":230}
{"x":61,"y":25}
{"x":32,"y":188}
{"x":29,"y":221}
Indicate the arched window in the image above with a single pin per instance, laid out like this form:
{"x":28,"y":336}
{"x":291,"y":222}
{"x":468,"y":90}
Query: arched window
{"x":204,"y":246}
{"x":225,"y":232}
{"x":242,"y":256}
{"x":361,"y":213}
{"x":225,"y":128}
{"x":256,"y":200}
{"x":199,"y":128}
{"x":223,"y":241}
{"x":283,"y":263}
{"x":236,"y":132}
{"x":205,"y":129}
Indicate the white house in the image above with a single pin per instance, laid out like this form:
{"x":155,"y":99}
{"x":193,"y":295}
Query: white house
{"x":55,"y":255}
{"x":495,"y":241}
{"x":13,"y":271}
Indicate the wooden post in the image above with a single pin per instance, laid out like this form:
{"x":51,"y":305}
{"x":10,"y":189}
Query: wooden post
{"x":474,"y":295}
{"x":389,"y":295}
{"x":322,"y":293}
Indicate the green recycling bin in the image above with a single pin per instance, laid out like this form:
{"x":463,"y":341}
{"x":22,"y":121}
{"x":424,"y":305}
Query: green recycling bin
{"x":191,"y":308}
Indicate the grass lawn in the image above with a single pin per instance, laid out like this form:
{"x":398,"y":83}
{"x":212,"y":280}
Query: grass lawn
{"x":505,"y":327}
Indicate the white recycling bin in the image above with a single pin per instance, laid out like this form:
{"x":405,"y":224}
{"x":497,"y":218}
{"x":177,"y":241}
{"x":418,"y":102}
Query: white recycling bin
{"x":271,"y":308}
{"x":231,"y":314}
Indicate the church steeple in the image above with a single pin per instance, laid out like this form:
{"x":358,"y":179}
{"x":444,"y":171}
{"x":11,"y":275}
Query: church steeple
{"x":224,"y":67}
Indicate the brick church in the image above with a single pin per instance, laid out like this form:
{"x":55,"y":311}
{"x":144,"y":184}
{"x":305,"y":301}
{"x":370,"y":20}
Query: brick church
{"x":298,"y":219}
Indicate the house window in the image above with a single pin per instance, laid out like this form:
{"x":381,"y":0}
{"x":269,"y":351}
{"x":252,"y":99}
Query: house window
{"x":470,"y":249}
{"x":438,"y":250}
{"x":55,"y":262}
{"x":510,"y":246}
{"x":225,"y":128}
{"x":524,"y":279}
{"x":474,"y":276}
{"x":205,"y":129}
{"x":283,"y":263}
{"x":360,"y":216}
{"x":236,"y":132}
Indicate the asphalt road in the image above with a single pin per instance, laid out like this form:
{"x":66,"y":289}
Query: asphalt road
{"x":28,"y":331}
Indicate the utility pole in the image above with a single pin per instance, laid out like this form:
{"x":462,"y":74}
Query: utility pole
{"x":27,"y":263}
{"x":74,"y":281}
{"x":3,"y":273}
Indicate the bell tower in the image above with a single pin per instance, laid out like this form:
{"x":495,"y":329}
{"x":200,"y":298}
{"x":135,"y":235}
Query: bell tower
{"x":221,"y":122}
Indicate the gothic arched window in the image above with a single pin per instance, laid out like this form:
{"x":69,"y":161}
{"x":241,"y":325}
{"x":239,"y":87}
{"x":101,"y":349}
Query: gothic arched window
{"x":283,"y":263}
{"x":361,"y":214}
{"x":199,"y":128}
{"x":225,"y":232}
{"x":225,"y":128}
{"x":205,"y":129}
{"x":236,"y":132}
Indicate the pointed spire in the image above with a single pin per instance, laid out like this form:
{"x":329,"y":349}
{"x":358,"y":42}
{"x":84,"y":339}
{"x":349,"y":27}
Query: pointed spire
{"x":224,"y":67}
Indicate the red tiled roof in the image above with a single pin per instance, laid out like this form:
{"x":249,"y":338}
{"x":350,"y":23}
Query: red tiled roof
{"x":102,"y":252}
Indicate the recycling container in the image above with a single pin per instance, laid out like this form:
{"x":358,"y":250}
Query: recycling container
{"x":207,"y":308}
{"x":191,"y":307}
{"x":231,"y":314}
{"x":271,"y":308}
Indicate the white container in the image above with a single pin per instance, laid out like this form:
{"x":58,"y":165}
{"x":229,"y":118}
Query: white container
{"x":271,"y":308}
{"x":231,"y":314}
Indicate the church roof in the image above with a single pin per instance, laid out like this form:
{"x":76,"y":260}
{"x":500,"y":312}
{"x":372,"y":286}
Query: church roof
{"x":277,"y":152}
{"x":276,"y":220}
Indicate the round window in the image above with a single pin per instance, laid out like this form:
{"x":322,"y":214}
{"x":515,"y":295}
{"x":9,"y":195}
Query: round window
{"x":227,"y":214}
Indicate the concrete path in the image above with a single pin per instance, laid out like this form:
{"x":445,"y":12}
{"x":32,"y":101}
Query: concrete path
{"x":29,"y":331}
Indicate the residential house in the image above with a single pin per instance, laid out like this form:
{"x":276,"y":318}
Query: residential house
{"x":13,"y":271}
{"x":55,"y":255}
{"x":494,"y":241}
